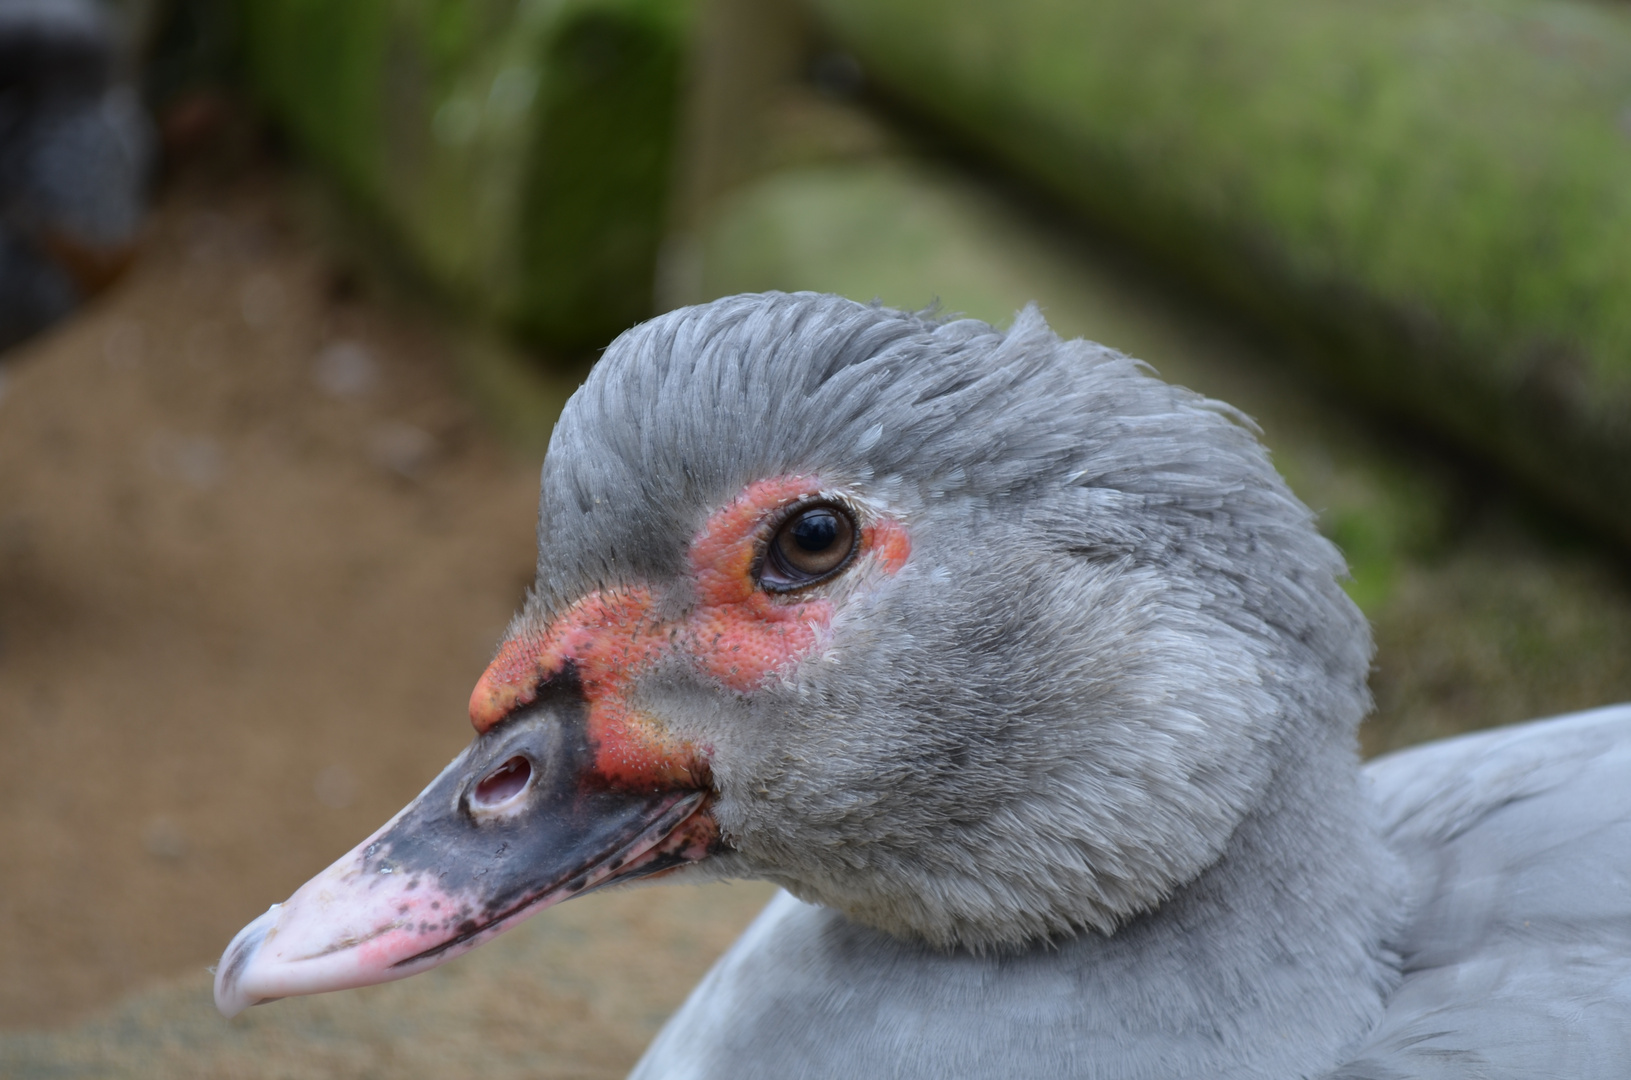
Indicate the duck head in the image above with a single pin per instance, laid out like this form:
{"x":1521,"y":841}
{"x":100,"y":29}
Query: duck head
{"x":978,"y":637}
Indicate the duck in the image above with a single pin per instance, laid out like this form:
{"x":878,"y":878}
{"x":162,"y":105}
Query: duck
{"x":1035,"y":689}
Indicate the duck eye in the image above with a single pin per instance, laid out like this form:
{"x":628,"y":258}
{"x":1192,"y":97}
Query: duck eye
{"x":814,"y":543}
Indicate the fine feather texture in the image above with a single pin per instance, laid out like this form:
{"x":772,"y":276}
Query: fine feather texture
{"x":1073,"y":791}
{"x":1516,"y":943}
{"x":1517,"y":953}
{"x":1114,"y":615}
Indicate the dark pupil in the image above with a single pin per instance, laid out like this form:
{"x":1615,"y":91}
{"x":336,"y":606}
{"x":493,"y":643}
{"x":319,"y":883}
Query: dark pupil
{"x":816,"y":531}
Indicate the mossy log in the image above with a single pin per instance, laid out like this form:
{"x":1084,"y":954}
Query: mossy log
{"x":521,"y":152}
{"x":1440,"y":189}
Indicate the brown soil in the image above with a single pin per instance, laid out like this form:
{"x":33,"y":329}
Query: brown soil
{"x":254,"y":551}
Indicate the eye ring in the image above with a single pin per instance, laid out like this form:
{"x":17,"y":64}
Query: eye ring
{"x":813,"y":542}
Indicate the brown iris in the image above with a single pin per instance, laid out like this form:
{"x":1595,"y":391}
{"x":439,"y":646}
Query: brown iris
{"x":812,"y":544}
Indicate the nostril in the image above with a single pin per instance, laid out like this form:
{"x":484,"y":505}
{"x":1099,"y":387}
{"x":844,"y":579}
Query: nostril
{"x":503,"y":783}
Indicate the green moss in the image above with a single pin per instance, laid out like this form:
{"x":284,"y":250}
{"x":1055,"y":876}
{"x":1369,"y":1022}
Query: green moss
{"x":315,"y":64}
{"x":1442,"y":188}
{"x":598,"y":176}
{"x":521,"y":151}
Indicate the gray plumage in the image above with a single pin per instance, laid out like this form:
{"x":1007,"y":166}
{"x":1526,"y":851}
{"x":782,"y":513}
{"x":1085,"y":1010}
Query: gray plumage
{"x":1076,"y":789}
{"x":1513,"y":956}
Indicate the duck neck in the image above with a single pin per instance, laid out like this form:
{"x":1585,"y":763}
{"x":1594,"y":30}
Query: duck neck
{"x":1285,"y":934}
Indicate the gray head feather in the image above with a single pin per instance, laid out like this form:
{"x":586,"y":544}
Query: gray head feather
{"x":1116,"y":624}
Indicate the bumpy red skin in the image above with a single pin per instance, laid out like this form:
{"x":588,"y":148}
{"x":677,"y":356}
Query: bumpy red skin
{"x":735,"y":633}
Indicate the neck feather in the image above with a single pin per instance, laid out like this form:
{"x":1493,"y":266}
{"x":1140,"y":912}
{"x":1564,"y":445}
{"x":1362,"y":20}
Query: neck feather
{"x":1273,"y":960}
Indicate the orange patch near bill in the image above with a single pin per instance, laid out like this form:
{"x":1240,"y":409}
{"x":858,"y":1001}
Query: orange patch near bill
{"x":603,"y":636}
{"x":735,"y":633}
{"x":608,"y":638}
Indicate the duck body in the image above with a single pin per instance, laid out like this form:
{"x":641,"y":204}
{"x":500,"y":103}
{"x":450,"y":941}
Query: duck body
{"x":1027,"y":675}
{"x":1508,"y":955}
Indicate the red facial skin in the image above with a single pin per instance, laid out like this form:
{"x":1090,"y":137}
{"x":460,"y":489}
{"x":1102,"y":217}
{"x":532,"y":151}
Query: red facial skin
{"x":359,"y":923}
{"x":736,"y":633}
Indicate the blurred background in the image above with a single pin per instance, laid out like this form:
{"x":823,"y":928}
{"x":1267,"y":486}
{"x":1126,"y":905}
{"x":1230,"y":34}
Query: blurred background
{"x":291,"y":291}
